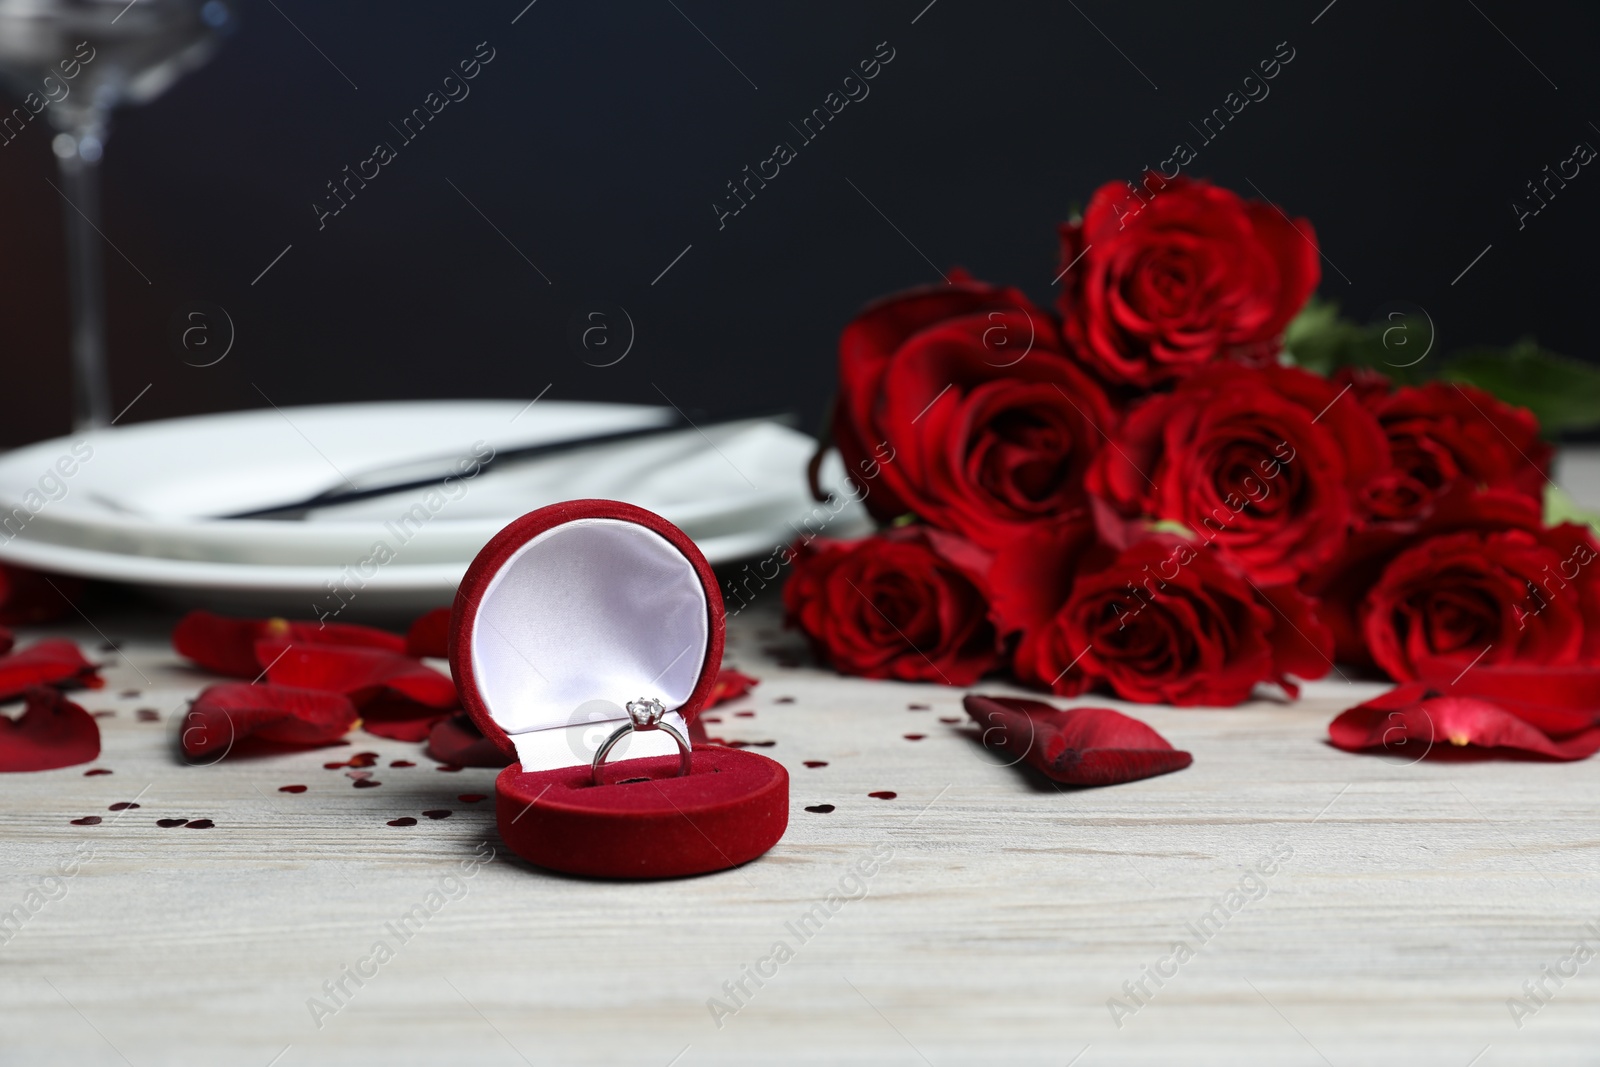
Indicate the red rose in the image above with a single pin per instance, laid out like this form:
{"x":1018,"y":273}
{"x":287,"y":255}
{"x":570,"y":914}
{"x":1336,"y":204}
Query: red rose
{"x":957,"y":404}
{"x":894,"y":606}
{"x":1162,"y":282}
{"x":1506,"y":596}
{"x":1263,"y":462}
{"x":1442,"y":434}
{"x":1168,"y":621}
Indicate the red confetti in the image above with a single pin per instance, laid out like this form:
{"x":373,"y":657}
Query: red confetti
{"x":404,"y":820}
{"x":122,"y":805}
{"x":148,"y":715}
{"x":471,"y":798}
{"x":96,"y":771}
{"x":200,"y":824}
{"x":401,"y":763}
{"x":883,"y":794}
{"x":822,"y":809}
{"x":438,"y":813}
{"x":291,"y":789}
{"x":87,"y":820}
{"x":366,"y":783}
{"x":816,"y":763}
{"x":915,"y":737}
{"x":168,"y":824}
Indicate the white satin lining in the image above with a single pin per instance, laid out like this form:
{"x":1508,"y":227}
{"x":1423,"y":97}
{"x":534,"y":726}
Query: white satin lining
{"x":580,"y":620}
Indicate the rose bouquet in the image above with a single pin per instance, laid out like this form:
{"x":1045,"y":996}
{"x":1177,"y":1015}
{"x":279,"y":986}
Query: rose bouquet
{"x":1148,"y":492}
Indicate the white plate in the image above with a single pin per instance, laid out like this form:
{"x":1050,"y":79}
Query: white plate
{"x":132,"y":505}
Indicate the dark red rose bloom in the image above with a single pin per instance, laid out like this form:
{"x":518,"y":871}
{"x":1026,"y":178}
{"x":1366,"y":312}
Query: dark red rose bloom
{"x":228,"y":645}
{"x":1077,"y":746}
{"x":1157,"y":287}
{"x":1490,"y":596}
{"x":1168,"y":621}
{"x":957,"y":404}
{"x":896,"y":605}
{"x":1442,"y":434}
{"x":1413,"y":718}
{"x":1264,"y":462}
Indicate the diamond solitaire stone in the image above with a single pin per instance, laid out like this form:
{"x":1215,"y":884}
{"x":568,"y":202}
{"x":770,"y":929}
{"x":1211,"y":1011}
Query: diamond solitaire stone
{"x":646,"y":713}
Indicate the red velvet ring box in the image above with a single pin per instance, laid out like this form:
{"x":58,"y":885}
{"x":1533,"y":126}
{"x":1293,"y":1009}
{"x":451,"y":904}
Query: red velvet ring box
{"x":565,"y":616}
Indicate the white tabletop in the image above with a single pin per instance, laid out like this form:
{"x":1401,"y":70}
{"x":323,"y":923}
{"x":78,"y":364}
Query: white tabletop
{"x":1413,"y":902}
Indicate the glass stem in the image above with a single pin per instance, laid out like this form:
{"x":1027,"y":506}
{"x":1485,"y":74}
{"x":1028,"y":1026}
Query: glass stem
{"x":91,"y":383}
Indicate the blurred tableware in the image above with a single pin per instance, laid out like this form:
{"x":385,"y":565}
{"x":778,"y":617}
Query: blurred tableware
{"x":75,"y":60}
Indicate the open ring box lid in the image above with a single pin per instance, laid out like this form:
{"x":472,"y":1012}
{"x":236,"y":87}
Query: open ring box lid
{"x":565,"y":615}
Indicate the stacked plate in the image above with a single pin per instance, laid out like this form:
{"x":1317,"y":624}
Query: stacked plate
{"x":377,"y":509}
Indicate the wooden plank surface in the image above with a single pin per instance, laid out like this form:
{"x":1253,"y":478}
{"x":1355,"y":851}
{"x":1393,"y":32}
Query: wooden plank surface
{"x":1407,"y":903}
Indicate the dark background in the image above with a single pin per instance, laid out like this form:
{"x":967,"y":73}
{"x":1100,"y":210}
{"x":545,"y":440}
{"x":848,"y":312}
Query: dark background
{"x":599,"y":136}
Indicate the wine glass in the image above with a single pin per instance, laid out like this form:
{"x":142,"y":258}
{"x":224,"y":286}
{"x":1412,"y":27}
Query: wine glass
{"x":71,"y":62}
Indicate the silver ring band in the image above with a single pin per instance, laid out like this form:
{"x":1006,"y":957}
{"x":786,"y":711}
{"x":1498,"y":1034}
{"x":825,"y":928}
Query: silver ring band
{"x":643,"y":716}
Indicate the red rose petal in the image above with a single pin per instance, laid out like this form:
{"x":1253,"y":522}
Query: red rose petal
{"x":730,"y":685}
{"x":1078,"y":746}
{"x":1414,"y":713}
{"x":399,"y":719}
{"x":51,"y":732}
{"x":228,"y":646}
{"x":1558,"y":700}
{"x":223,"y":715}
{"x":360,"y":673}
{"x":50,"y":662}
{"x":430,"y":635}
{"x":456,"y":741}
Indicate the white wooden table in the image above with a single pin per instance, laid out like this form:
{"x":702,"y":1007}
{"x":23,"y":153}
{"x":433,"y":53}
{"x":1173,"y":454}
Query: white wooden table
{"x":1416,"y":901}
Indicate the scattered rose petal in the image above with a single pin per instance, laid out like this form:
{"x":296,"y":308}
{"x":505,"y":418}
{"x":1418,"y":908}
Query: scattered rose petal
{"x":816,"y":763}
{"x":291,"y":789}
{"x":167,"y":824}
{"x":883,"y":794}
{"x":199,"y":824}
{"x":53,"y":661}
{"x":457,"y":742}
{"x":228,"y":646}
{"x":122,"y":805}
{"x":1415,"y":713}
{"x":730,"y":685}
{"x":96,"y":771}
{"x":399,"y":719}
{"x":430,"y":635}
{"x":225,"y":714}
{"x":404,"y":820}
{"x":820,"y":809}
{"x":87,"y":820}
{"x":51,"y":732}
{"x":1557,"y":700}
{"x":361,"y":673}
{"x":1078,"y":746}
{"x":28,"y":596}
{"x":471,"y":798}
{"x":438,"y":813}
